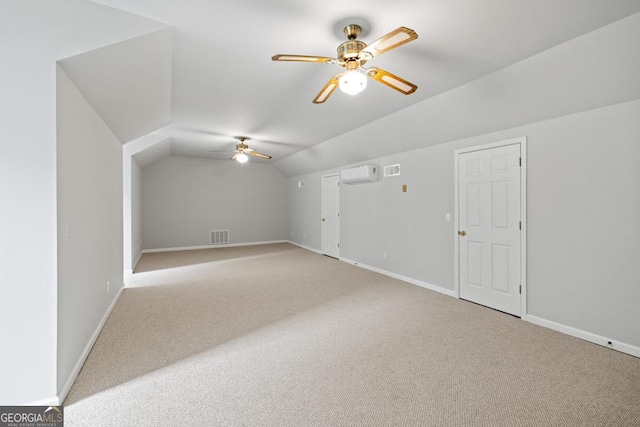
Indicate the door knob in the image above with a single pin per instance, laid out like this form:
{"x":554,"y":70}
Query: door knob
{"x":462,"y":233}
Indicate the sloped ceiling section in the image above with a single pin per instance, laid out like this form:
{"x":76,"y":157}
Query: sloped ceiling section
{"x":154,"y":152}
{"x":595,"y":70}
{"x":225,"y":84}
{"x":127,"y":83}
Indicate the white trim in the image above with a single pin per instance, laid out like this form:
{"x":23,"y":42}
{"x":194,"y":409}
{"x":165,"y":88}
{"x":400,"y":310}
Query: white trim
{"x":518,"y":140}
{"x":323,"y":244}
{"x":192,"y":248}
{"x":62,"y":394}
{"x":522,"y":141}
{"x":456,"y":228}
{"x":523,"y":235}
{"x":426,"y":285}
{"x":587,"y":336}
{"x":305,"y":247}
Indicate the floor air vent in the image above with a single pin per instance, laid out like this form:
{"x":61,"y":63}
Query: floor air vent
{"x":218,"y":237}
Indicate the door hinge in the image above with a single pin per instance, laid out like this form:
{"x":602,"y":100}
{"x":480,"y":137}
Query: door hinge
{"x":338,"y":214}
{"x":520,"y":225}
{"x":519,"y":161}
{"x":520,"y":288}
{"x":338,"y":244}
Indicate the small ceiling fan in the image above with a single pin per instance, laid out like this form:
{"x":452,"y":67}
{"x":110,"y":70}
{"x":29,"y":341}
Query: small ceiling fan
{"x":352,"y":55}
{"x":243,"y":151}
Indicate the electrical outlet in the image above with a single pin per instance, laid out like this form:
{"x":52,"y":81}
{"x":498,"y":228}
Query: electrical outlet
{"x":108,"y":286}
{"x":447,"y":217}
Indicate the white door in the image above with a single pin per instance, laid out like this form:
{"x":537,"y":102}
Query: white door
{"x":330,"y":219}
{"x":489,"y":223}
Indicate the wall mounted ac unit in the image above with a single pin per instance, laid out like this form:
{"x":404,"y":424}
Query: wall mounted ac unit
{"x":361,"y":174}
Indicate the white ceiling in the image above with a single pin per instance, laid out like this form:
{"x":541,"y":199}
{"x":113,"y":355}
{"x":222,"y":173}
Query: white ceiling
{"x":223,"y":83}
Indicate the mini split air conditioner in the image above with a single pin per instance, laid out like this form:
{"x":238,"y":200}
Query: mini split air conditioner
{"x":361,"y":174}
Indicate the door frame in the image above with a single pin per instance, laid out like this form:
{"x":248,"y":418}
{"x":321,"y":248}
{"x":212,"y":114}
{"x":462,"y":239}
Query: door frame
{"x":322,"y":202}
{"x":522,"y":141}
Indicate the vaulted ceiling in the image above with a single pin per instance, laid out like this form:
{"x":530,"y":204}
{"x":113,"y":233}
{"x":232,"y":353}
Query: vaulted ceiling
{"x":208,"y":75}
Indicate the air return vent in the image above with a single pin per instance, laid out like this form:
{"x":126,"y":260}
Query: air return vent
{"x":392,"y":170}
{"x":218,"y":237}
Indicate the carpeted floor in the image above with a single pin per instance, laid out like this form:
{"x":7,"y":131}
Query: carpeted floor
{"x":275,"y":335}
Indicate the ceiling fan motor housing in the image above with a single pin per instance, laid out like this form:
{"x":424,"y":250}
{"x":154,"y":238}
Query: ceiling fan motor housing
{"x":349,"y":50}
{"x":352,"y":55}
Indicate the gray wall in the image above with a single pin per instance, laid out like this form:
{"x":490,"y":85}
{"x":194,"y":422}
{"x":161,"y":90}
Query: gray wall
{"x":136,"y":212}
{"x":28,"y":248}
{"x":132,"y":210}
{"x":580,"y":113}
{"x":27,"y":213}
{"x":410,"y":227}
{"x":136,"y":155}
{"x":584,"y":202}
{"x":184,"y":198}
{"x":304,"y":211}
{"x":583,"y":199}
{"x":89,"y":178}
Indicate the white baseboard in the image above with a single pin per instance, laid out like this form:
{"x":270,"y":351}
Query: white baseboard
{"x":62,"y":393}
{"x":305,"y":247}
{"x":587,"y":336}
{"x":425,"y":285}
{"x":193,"y":248}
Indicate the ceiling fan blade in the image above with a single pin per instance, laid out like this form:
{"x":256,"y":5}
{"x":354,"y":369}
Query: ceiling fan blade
{"x":234,"y":156}
{"x":303,"y":58}
{"x":391,"y":80}
{"x":263,"y":156}
{"x":327,"y":90}
{"x":389,"y":41}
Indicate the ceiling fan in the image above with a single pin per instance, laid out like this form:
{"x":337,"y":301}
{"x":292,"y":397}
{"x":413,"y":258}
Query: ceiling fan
{"x":352,"y":55}
{"x":243,"y":151}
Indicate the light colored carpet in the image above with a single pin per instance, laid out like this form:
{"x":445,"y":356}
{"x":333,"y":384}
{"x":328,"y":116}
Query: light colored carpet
{"x":275,"y":335}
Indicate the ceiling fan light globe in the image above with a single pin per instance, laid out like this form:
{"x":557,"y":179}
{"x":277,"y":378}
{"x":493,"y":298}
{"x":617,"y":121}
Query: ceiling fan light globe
{"x":352,"y":82}
{"x":242,"y":158}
